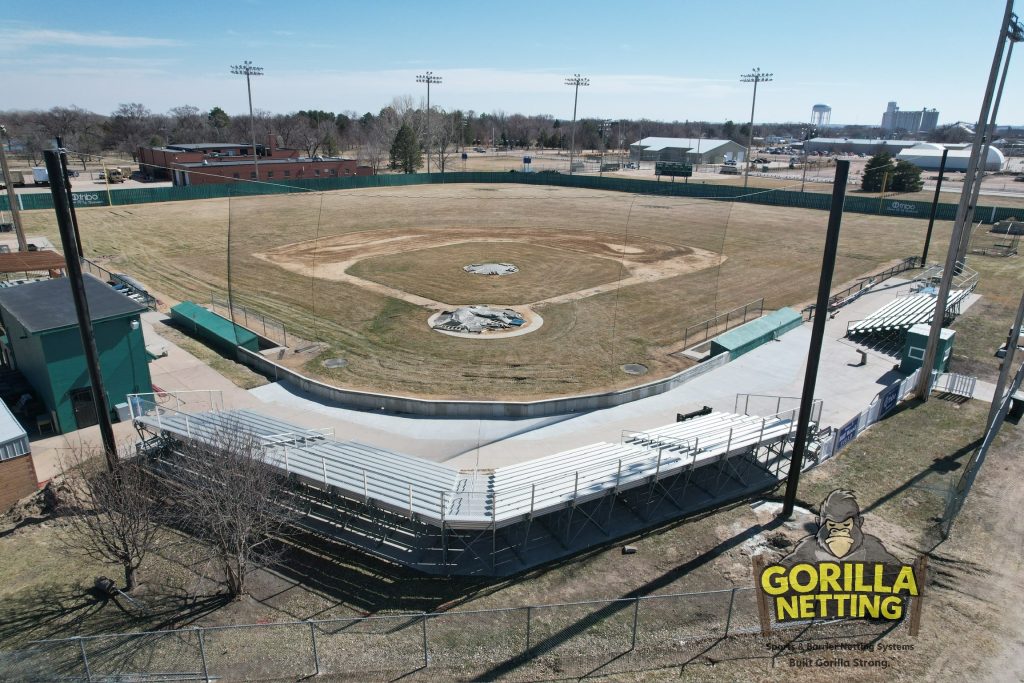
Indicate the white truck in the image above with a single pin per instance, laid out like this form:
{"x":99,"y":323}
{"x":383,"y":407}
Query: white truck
{"x":40,"y":176}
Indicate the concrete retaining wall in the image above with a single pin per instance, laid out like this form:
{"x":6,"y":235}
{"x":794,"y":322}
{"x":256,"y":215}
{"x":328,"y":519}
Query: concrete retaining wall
{"x":363,"y":400}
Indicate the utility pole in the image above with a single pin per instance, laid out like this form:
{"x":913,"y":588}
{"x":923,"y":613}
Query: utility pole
{"x":828,"y":264}
{"x":755,"y":77}
{"x":428,"y":78}
{"x":62,"y":207}
{"x":575,"y":81}
{"x":248,"y":70}
{"x":1010,"y":29}
{"x":12,"y":196}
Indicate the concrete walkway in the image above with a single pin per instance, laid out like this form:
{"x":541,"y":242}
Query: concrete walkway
{"x":775,"y":369}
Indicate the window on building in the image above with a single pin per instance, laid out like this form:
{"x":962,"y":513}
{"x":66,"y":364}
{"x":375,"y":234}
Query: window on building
{"x":235,"y":176}
{"x":252,"y":175}
{"x":317,"y":172}
{"x":287,"y":174}
{"x":270,"y":174}
{"x":334,"y":171}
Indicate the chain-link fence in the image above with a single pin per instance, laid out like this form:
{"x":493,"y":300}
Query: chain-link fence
{"x":523,"y":643}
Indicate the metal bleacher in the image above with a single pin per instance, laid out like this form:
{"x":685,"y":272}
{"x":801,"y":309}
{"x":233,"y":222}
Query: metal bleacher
{"x":438,"y":518}
{"x":904,"y":312}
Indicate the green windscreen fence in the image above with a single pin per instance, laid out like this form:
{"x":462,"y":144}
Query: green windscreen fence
{"x":889,"y":206}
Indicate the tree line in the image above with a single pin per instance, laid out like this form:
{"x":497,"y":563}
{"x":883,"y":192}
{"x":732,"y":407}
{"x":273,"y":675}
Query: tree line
{"x":369,"y":136}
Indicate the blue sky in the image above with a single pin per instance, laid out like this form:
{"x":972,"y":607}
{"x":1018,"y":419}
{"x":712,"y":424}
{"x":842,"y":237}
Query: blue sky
{"x":661,"y":60}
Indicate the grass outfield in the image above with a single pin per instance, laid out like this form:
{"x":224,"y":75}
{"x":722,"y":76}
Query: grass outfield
{"x":178,"y":249}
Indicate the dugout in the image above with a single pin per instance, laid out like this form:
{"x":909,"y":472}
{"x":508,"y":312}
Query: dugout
{"x":749,"y":336}
{"x":213,"y":328}
{"x":916,"y":343}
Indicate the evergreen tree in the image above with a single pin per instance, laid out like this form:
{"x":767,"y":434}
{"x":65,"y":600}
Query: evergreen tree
{"x":875,"y":172}
{"x":405,"y":151}
{"x":906,"y":177}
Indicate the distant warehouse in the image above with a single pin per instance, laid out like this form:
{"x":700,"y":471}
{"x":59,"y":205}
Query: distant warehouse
{"x":928,"y":156}
{"x":214,"y":162}
{"x":688,"y":150}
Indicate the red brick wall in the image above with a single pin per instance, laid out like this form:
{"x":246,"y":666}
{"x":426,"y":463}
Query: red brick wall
{"x":17,"y":480}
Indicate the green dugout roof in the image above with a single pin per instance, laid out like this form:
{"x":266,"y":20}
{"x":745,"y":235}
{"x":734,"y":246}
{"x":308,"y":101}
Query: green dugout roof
{"x":214,"y":328}
{"x":751,"y":335}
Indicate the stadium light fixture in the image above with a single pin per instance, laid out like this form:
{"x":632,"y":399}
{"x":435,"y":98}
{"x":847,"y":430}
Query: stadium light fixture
{"x":247,"y":69}
{"x":575,"y":81}
{"x":428,"y":78}
{"x":756,"y":76}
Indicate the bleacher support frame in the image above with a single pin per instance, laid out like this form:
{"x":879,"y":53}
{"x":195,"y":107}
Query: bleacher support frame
{"x":485,"y":523}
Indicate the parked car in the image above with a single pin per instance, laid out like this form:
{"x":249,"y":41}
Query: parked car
{"x":760,"y":160}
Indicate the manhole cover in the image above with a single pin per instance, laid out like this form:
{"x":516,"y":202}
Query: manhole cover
{"x":333,"y":363}
{"x":491,"y":268}
{"x":634,"y":369}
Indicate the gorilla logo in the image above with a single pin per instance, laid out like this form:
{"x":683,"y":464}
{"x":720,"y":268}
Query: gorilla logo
{"x":839,"y":536}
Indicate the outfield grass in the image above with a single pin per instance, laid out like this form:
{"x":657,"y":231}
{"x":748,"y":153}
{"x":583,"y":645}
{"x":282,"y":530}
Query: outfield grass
{"x":178,"y":249}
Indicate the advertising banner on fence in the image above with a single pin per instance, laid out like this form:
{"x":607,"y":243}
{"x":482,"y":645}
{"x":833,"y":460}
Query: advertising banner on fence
{"x":890,"y":397}
{"x":847,"y":433}
{"x":89,"y":198}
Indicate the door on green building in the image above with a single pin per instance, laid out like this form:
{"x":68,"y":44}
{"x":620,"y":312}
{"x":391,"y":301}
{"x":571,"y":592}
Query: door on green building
{"x":84,"y":407}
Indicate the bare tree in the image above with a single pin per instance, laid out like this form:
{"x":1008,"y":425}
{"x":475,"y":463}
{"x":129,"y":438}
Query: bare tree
{"x":115,"y":517}
{"x":229,"y":497}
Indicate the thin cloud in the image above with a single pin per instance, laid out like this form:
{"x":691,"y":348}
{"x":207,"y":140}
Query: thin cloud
{"x":19,"y":38}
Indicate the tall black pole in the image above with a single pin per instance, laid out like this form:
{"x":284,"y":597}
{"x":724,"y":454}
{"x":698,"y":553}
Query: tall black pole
{"x":828,"y":264}
{"x":62,"y":207}
{"x":935,"y":208}
{"x":67,"y":185}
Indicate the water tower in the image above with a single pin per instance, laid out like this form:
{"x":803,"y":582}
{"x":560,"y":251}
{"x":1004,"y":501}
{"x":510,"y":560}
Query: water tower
{"x":820,"y":115}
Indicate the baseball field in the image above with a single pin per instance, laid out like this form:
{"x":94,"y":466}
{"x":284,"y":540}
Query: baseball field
{"x":615,"y":277}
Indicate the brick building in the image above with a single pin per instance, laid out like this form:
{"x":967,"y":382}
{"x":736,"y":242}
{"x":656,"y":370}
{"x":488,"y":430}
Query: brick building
{"x":214,"y":162}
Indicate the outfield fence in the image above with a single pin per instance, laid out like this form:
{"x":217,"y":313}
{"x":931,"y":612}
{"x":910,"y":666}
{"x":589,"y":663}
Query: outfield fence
{"x":890,"y":206}
{"x":569,"y":640}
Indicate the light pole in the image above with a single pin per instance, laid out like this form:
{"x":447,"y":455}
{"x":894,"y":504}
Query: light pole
{"x":248,"y":70}
{"x":755,"y":77}
{"x":575,"y":81}
{"x":12,"y":197}
{"x":428,"y":78}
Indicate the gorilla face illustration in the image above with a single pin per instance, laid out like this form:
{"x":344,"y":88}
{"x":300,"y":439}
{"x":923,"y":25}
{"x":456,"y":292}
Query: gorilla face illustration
{"x":839,"y":537}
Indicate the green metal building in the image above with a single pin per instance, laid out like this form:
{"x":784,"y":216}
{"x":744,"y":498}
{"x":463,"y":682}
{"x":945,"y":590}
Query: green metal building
{"x":45,"y":345}
{"x":916,"y":343}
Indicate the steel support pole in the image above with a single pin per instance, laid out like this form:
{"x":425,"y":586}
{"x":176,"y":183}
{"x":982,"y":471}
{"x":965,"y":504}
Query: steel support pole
{"x":962,"y":213}
{"x":252,"y":127}
{"x":828,"y":263}
{"x":1004,"y":371}
{"x":66,"y":179}
{"x":12,"y":196}
{"x":572,"y":141}
{"x":62,"y":207}
{"x":989,"y":134}
{"x":935,"y":207}
{"x":750,"y":137}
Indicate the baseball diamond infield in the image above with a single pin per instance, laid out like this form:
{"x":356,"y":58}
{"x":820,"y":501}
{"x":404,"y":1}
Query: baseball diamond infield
{"x":356,"y":274}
